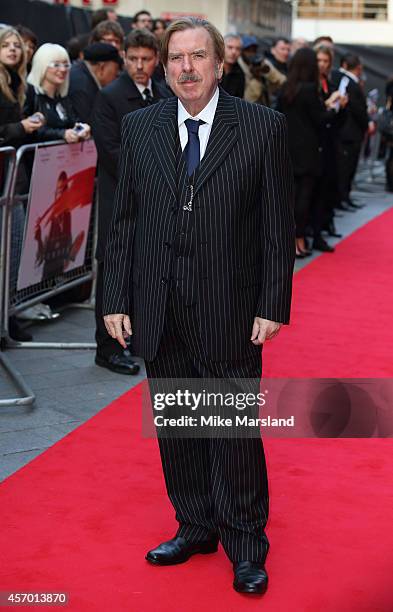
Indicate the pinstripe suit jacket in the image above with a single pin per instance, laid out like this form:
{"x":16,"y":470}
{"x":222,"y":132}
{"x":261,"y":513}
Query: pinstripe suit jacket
{"x":243,"y":225}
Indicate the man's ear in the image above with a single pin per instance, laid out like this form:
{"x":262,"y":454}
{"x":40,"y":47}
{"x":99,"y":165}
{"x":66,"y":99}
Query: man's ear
{"x":219,"y":70}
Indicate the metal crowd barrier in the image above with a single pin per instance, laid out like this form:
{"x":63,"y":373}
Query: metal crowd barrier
{"x":8,"y":164}
{"x":15,"y":301}
{"x":371,"y":169}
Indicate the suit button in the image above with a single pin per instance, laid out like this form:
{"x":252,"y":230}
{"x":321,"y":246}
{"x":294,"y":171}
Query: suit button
{"x":164,"y":281}
{"x":167,"y":245}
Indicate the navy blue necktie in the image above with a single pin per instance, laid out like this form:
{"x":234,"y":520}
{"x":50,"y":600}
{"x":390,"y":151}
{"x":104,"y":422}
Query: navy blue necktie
{"x":192,"y":150}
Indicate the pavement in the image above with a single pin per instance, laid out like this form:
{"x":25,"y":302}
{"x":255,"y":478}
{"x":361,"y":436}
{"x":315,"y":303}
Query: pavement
{"x":70,"y":388}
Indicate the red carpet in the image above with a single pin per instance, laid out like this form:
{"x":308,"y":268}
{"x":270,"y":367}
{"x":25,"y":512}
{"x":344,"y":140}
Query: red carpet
{"x":80,"y":517}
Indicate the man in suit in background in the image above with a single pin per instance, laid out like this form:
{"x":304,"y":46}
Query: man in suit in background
{"x":198,"y":268}
{"x":133,"y":90}
{"x":233,"y":80}
{"x":100,"y":66}
{"x":352,"y":133}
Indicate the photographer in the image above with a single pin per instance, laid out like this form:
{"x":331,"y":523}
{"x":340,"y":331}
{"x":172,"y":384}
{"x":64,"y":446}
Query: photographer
{"x":262,"y":79}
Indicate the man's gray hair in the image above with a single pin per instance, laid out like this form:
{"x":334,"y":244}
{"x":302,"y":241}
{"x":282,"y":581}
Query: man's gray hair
{"x":232,"y":35}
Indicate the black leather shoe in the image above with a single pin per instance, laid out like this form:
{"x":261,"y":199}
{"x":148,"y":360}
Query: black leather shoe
{"x":353,"y":205}
{"x":179,"y":550}
{"x":345,"y":206}
{"x":122,"y":364}
{"x":321,"y":245}
{"x":332,"y":231}
{"x":250,"y":577}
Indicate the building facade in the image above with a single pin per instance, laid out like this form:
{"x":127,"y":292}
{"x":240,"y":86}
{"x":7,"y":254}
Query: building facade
{"x":260,"y":17}
{"x":368,"y":22}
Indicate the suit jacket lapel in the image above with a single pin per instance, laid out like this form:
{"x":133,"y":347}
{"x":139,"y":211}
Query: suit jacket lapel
{"x":165,"y":142}
{"x":223,"y":136}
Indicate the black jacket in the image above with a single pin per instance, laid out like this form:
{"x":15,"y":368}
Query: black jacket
{"x":58,"y":112}
{"x":234,"y":81}
{"x":83,"y":91}
{"x":307,"y":119}
{"x":12,"y":132}
{"x":113,"y":102}
{"x":356,"y":122}
{"x":241,"y":226}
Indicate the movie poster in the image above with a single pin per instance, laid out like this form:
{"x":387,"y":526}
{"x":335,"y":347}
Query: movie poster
{"x":58,"y":214}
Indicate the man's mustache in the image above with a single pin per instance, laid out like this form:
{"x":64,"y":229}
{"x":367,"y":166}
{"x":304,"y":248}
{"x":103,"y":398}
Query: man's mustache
{"x":184,"y":77}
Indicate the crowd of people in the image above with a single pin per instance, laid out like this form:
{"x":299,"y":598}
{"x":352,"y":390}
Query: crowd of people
{"x":49,"y":92}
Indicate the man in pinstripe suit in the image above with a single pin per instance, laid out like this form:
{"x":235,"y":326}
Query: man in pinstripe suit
{"x":199,"y":262}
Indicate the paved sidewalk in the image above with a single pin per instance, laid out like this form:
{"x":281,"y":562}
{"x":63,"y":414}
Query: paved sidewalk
{"x":70,"y":388}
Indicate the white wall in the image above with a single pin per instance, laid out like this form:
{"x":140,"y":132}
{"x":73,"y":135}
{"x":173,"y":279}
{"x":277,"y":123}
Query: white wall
{"x":349,"y":31}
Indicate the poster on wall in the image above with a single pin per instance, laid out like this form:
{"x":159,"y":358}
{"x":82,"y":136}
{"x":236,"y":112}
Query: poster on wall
{"x":58,"y":213}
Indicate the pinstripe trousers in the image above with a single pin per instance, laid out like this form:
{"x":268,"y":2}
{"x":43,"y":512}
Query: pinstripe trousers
{"x":218,"y":486}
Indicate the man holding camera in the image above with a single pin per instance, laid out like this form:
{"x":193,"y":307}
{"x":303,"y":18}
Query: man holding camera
{"x":262,"y":78}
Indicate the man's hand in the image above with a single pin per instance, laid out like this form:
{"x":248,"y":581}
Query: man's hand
{"x":118,"y":326}
{"x":263,"y":330}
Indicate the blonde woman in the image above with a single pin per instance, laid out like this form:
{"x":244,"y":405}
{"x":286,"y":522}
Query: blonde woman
{"x":48,"y":94}
{"x":13,"y":129}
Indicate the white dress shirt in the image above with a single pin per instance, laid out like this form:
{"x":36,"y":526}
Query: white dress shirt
{"x":143,"y":87}
{"x":206,"y":115}
{"x":349,"y":74}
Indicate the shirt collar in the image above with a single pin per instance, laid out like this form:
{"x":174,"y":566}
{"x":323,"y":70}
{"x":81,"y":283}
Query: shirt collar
{"x":206,"y":114}
{"x":88,"y":66}
{"x":143,"y":87}
{"x":350,"y":75}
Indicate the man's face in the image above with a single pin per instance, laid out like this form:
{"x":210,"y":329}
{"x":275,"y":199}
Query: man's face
{"x":323,"y":63}
{"x":233,"y":49}
{"x":111,"y":39}
{"x":107,"y":72}
{"x":144,"y":21}
{"x":249,"y":53}
{"x":281,"y":51}
{"x":192,"y":70}
{"x":140,"y":63}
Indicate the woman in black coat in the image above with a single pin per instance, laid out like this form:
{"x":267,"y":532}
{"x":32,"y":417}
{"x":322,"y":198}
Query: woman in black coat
{"x":307,"y":117}
{"x":48,"y":94}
